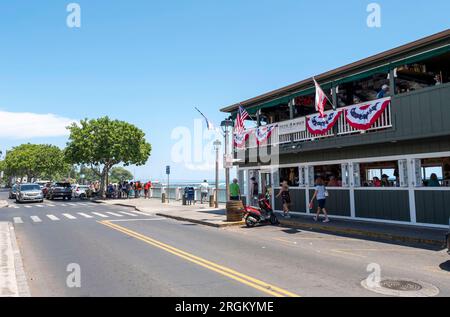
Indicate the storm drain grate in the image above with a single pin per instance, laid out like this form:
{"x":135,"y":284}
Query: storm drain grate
{"x":399,"y":285}
{"x":401,"y":288}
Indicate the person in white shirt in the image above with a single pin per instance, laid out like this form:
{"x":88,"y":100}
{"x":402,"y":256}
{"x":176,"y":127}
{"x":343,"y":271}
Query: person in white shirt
{"x":204,"y":190}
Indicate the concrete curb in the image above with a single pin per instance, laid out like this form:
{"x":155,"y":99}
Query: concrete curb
{"x":3,"y":204}
{"x":329,"y":228}
{"x":201,"y":222}
{"x":13,"y":282}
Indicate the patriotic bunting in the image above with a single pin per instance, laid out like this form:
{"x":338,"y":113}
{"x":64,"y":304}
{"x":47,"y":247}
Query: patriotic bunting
{"x":319,"y":125}
{"x":240,"y":139}
{"x":263,"y":133}
{"x":363,"y":117}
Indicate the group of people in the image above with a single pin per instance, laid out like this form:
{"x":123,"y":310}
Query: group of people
{"x":127,"y":190}
{"x":320,"y":195}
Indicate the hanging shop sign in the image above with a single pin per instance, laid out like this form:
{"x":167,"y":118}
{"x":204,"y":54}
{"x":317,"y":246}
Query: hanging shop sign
{"x":318,"y":125}
{"x":263,"y":133}
{"x":362,"y":117}
{"x":292,"y":126}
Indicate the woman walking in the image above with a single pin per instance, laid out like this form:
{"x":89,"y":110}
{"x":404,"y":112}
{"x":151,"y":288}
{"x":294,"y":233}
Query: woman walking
{"x":286,"y":199}
{"x":321,"y":194}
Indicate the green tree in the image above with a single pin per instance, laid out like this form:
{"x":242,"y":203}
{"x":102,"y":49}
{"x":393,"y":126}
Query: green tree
{"x":34,"y":161}
{"x":120,"y":174}
{"x":103,"y":143}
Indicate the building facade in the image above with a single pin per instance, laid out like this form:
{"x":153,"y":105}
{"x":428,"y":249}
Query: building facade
{"x":383,"y":147}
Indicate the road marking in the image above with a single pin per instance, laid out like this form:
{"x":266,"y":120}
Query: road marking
{"x":36,"y":219}
{"x":28,"y":206}
{"x":114,"y":214}
{"x":85,"y":215}
{"x":52,"y":217}
{"x":237,"y":276}
{"x":39,"y":206}
{"x":15,"y":207}
{"x":128,"y":214}
{"x":17,"y":220}
{"x":141,"y":213}
{"x":69,"y":216}
{"x":51,"y":205}
{"x":100,"y":215}
{"x":71,"y":204}
{"x":63,"y":205}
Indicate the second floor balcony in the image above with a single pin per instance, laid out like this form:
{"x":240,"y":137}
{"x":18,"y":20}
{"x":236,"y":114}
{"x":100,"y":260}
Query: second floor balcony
{"x":412,"y":115}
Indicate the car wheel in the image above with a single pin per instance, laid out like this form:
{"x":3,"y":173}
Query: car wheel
{"x":69,"y":198}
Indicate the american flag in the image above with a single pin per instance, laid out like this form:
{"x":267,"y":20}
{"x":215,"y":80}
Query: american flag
{"x":240,"y":120}
{"x":321,"y":99}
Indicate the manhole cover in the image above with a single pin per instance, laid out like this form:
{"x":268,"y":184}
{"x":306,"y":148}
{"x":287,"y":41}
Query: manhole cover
{"x":402,"y":288}
{"x":406,"y":286}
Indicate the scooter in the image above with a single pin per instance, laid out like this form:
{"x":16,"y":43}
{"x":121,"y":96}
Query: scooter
{"x":262,"y":215}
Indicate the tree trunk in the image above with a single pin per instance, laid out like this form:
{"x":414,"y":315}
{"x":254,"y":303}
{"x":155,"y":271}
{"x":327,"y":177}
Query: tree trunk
{"x":103,"y":183}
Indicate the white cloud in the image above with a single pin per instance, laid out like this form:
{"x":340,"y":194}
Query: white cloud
{"x":26,"y":125}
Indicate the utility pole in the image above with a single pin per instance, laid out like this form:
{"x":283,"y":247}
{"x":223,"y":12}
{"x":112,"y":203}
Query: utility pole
{"x":227,"y":125}
{"x":217,"y":144}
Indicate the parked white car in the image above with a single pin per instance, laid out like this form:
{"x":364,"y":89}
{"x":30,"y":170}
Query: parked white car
{"x":79,"y":191}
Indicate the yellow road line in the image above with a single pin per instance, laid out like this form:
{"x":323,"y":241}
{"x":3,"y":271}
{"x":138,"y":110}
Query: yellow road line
{"x":237,"y":276}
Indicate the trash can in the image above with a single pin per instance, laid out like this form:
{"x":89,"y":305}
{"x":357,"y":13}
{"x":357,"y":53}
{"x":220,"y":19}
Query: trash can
{"x":211,"y":201}
{"x":163,"y":198}
{"x":184,"y":197}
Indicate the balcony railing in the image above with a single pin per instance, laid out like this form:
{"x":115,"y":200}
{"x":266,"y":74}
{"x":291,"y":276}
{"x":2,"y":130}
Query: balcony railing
{"x":341,"y":128}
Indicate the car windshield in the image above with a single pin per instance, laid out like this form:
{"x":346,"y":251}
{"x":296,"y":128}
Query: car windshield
{"x":67,"y":185}
{"x":29,"y":187}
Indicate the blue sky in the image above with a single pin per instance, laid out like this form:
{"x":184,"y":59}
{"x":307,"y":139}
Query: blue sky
{"x":150,"y":62}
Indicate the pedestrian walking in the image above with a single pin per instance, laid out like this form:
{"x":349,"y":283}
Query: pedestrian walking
{"x":146,"y":190}
{"x":254,"y":191}
{"x":321,"y":195}
{"x":204,"y":191}
{"x":285,"y":198}
{"x":235,"y":191}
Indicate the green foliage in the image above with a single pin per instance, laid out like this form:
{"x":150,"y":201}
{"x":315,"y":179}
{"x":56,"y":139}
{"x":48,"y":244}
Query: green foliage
{"x":119,"y":174}
{"x":102,"y":143}
{"x":34,"y":161}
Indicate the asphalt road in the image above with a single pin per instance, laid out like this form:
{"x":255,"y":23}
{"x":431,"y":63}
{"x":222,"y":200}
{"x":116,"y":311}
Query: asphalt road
{"x":124,"y":253}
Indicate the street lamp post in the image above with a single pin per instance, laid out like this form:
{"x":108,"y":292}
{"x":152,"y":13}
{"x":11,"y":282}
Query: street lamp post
{"x":217,"y":144}
{"x":227,"y":125}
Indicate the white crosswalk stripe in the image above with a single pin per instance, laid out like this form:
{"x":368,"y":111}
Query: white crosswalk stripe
{"x":140,"y":213}
{"x":17,"y":220}
{"x":128,"y":214}
{"x":100,"y":215}
{"x":36,"y":219}
{"x":69,"y":216}
{"x":71,"y":204}
{"x":28,"y":206}
{"x":51,"y":205}
{"x":85,"y":215}
{"x":114,"y":214}
{"x":39,"y":206}
{"x":52,"y":217}
{"x":15,"y":207}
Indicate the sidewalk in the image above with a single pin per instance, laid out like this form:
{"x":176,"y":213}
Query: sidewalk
{"x":203,"y":214}
{"x":200,"y":214}
{"x":13,"y":282}
{"x":412,"y":235}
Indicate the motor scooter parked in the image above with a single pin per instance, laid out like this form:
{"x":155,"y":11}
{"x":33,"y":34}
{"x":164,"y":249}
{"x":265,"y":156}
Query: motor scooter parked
{"x":262,"y":215}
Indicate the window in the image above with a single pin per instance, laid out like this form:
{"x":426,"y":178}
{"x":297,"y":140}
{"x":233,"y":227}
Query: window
{"x":380,"y":174}
{"x":363,"y":90}
{"x":435,"y":172}
{"x":430,"y":72}
{"x":290,"y":175}
{"x":331,"y":174}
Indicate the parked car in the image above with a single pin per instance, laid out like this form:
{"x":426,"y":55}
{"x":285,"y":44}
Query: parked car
{"x":80,"y":191}
{"x":29,"y":192}
{"x":13,"y":191}
{"x":59,"y":190}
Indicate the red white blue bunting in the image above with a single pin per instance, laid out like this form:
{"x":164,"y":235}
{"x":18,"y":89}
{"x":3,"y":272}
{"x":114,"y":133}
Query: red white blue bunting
{"x":240,"y":139}
{"x":318,"y":125}
{"x":363,"y":117}
{"x":262,"y":134}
